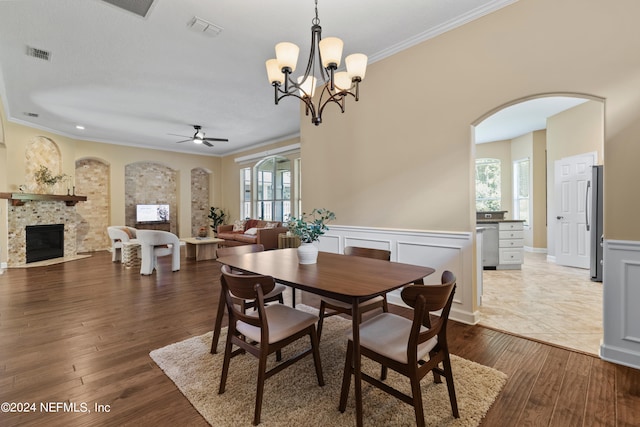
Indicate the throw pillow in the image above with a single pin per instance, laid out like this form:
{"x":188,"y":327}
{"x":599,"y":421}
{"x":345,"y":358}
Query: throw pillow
{"x":238,"y":225}
{"x":250,"y":223}
{"x":252,"y":231}
{"x":271,"y":225}
{"x":127,"y":232}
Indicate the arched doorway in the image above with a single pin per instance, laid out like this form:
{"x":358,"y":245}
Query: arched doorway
{"x":539,"y":300}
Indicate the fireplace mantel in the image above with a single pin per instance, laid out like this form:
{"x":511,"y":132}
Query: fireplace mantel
{"x":18,"y":199}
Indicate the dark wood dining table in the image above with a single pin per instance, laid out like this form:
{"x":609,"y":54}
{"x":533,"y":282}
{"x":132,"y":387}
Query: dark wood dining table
{"x":346,"y":278}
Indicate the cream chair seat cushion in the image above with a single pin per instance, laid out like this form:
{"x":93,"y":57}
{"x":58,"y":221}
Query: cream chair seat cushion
{"x":388,"y":335}
{"x":283,"y":322}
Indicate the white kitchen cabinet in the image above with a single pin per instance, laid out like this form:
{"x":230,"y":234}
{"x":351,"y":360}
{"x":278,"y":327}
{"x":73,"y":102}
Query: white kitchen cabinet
{"x":510,"y":245}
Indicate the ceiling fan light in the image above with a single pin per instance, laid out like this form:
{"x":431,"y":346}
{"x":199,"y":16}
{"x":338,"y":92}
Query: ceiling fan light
{"x":287,"y":55}
{"x":197,"y":140}
{"x":274,"y":72}
{"x":331,"y":51}
{"x":356,"y":65}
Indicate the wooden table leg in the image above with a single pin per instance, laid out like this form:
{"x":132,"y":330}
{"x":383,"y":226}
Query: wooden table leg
{"x":218,"y":324}
{"x":357,"y":374}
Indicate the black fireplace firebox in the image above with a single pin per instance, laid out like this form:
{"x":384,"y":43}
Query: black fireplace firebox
{"x":45,"y":242}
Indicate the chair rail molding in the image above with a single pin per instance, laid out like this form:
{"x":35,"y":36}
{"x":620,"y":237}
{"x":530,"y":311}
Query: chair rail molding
{"x":620,"y":295}
{"x":441,"y":250}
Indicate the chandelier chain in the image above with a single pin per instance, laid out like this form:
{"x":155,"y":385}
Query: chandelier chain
{"x":316,"y":20}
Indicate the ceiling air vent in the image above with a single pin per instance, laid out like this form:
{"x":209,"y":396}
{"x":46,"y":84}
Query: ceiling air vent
{"x":38,"y":53}
{"x":139,"y":7}
{"x":28,"y":114}
{"x":199,"y":25}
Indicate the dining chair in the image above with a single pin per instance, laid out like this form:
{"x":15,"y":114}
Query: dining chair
{"x":275,"y":295}
{"x":340,"y":307}
{"x":401,"y":344}
{"x":264,"y":331}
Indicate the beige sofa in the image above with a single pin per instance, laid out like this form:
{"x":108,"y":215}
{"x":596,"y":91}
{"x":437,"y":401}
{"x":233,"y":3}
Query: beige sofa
{"x":252,"y":231}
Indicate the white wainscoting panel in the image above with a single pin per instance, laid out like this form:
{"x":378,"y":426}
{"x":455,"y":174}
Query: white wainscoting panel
{"x":441,"y":250}
{"x":621,"y":303}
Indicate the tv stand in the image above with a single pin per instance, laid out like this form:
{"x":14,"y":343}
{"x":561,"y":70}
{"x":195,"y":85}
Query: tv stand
{"x":164,"y":226}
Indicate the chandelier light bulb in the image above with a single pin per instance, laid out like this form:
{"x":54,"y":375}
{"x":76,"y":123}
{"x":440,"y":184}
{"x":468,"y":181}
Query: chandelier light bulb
{"x":331,"y":51}
{"x":308,"y":86}
{"x":274,"y":72}
{"x":356,"y":65}
{"x":287,"y":56}
{"x":342,"y":81}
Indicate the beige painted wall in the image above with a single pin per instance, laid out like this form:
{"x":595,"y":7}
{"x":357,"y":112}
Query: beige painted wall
{"x":402,"y":156}
{"x":539,"y":192}
{"x":12,"y":174}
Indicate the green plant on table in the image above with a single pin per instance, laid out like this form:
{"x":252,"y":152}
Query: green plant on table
{"x":309,"y":227}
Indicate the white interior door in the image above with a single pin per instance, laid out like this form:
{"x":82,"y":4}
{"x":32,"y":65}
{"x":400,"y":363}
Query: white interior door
{"x":572,"y":177}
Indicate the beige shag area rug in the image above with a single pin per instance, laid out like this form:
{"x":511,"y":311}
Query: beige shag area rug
{"x":293,"y":398}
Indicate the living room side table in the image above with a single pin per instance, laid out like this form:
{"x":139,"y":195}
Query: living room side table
{"x":202,"y":248}
{"x":131,"y":254}
{"x":286,"y":241}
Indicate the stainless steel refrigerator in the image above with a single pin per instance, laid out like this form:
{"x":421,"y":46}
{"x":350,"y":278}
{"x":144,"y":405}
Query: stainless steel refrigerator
{"x":594,"y":222}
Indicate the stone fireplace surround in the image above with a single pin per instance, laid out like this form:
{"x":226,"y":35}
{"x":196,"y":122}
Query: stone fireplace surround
{"x":38,"y":212}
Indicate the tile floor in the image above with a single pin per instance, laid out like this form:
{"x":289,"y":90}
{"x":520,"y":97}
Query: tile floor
{"x":546,"y":302}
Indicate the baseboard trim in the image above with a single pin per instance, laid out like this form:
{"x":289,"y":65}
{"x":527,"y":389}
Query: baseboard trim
{"x":621,"y":356}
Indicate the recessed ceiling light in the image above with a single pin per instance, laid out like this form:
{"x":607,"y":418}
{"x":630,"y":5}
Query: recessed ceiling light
{"x":79,"y":127}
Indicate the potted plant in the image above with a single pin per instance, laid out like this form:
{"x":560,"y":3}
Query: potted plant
{"x":217,"y":217}
{"x":46,"y":180}
{"x":309,"y":228}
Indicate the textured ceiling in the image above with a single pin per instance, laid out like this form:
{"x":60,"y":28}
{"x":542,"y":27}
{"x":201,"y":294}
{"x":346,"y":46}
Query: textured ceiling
{"x":135,"y":80}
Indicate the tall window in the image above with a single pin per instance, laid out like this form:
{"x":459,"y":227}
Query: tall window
{"x":521,"y":191}
{"x":273,"y":189}
{"x":245,"y":193}
{"x":488,"y":197}
{"x":298,"y":186}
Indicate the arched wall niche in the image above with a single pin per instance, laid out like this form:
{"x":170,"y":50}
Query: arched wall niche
{"x":42,"y":151}
{"x":200,"y":204}
{"x":151,"y":183}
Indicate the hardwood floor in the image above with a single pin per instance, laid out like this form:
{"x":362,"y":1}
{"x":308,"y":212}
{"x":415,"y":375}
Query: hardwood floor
{"x":81,"y":332}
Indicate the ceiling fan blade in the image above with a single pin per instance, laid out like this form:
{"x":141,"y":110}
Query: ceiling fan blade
{"x":204,"y":141}
{"x":216,"y":139}
{"x":178,"y":142}
{"x":175,"y":134}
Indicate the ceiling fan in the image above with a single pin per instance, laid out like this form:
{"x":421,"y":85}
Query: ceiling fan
{"x":198,"y":137}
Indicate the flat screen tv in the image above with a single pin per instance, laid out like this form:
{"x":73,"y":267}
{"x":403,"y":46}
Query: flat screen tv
{"x":152,"y":213}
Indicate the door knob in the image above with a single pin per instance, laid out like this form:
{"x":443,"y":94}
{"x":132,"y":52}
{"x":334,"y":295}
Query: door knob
{"x":559,"y":217}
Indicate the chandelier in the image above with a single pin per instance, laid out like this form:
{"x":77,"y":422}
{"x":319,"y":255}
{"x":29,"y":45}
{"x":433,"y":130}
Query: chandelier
{"x":335,"y":86}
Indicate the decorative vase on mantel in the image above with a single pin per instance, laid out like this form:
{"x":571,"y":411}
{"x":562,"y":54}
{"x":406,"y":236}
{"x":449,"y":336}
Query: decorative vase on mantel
{"x":46,"y":188}
{"x":307,"y":253}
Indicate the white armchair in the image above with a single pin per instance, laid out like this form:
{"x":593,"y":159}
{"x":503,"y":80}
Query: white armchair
{"x":155,"y":243}
{"x":119,"y":235}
